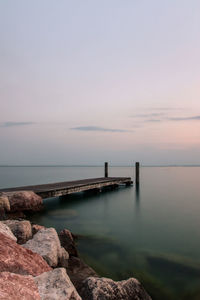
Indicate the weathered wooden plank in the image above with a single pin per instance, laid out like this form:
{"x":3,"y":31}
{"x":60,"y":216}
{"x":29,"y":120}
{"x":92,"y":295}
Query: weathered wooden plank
{"x":69,"y":187}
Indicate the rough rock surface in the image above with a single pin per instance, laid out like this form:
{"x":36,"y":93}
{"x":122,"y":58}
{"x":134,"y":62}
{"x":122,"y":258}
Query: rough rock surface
{"x":24,"y":201}
{"x":4,"y":202}
{"x":107,"y":289}
{"x":36,"y":228}
{"x":16,"y":259}
{"x":17,"y":287}
{"x":56,"y":285}
{"x":47,"y":244}
{"x":21,"y":229}
{"x":63,"y":258}
{"x":78,"y":271}
{"x":4,"y":229}
{"x":67,"y":242}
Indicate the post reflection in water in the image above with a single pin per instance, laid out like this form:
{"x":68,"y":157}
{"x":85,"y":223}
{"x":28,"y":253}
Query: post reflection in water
{"x":137,"y":195}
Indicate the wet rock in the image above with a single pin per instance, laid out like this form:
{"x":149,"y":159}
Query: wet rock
{"x":47,"y":244}
{"x":67,"y":241}
{"x":24,"y":201}
{"x":4,"y":229}
{"x":78,"y":271}
{"x":56,"y":285}
{"x":16,"y":259}
{"x":36,"y":228}
{"x":107,"y":289}
{"x":21,"y":229}
{"x":17,"y":287}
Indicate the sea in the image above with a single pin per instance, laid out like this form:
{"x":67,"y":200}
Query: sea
{"x":151,"y":232}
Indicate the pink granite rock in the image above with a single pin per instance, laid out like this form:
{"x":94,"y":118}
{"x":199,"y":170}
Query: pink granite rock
{"x":24,"y":201}
{"x":16,"y":259}
{"x":17,"y":287}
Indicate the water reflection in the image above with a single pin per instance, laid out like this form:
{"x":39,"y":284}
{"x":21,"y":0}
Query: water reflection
{"x":137,"y":196}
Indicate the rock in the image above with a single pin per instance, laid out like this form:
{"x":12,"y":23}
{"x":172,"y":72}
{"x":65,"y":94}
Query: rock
{"x":56,"y":285}
{"x":16,"y":259}
{"x":67,"y":242}
{"x":18,"y":215}
{"x":24,"y":201}
{"x":4,"y":202}
{"x":63,"y":258}
{"x":17,"y":287}
{"x":107,"y":289}
{"x":21,"y":229}
{"x":78,"y":271}
{"x":36,"y":228}
{"x":4,"y":229}
{"x":47,"y":244}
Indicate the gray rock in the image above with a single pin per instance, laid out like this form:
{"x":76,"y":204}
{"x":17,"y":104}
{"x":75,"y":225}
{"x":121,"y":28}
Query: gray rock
{"x":106,"y":289}
{"x":4,"y":229}
{"x":47,"y":244}
{"x":21,"y":229}
{"x":56,"y":285}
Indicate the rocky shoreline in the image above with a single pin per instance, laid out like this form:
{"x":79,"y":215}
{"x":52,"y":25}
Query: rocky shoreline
{"x":38,"y":263}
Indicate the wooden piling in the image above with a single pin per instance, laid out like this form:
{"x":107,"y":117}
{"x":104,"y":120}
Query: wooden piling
{"x":137,"y":173}
{"x":106,"y":169}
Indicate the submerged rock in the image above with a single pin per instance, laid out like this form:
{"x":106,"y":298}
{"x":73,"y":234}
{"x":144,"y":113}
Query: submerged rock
{"x":24,"y":201}
{"x":17,"y":287}
{"x":21,"y":229}
{"x":47,"y":244}
{"x":56,"y":285}
{"x":16,"y":259}
{"x":4,"y":229}
{"x":67,"y":241}
{"x":106,"y":289}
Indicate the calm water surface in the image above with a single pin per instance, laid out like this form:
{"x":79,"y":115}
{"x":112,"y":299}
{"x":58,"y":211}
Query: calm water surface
{"x":151,"y":233}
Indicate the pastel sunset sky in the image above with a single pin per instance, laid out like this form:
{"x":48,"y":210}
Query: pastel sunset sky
{"x":83,"y":82}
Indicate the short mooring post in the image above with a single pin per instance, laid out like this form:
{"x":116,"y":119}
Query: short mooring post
{"x":106,"y":169}
{"x":137,"y":173}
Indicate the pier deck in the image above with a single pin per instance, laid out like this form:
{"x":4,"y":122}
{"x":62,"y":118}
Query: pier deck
{"x":69,"y":187}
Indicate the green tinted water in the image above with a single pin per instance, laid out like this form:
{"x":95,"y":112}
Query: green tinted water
{"x":152,"y":234}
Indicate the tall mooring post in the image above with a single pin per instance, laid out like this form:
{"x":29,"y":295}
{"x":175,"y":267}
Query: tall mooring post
{"x":137,"y":173}
{"x":106,"y":169}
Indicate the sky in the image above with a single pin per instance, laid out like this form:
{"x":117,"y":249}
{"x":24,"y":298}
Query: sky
{"x":83,"y":82}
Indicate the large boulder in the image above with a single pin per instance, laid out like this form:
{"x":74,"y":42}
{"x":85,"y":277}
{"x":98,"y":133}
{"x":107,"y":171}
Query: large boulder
{"x":16,"y":259}
{"x":4,"y":229}
{"x":67,"y":241}
{"x":17,"y":287}
{"x":21,"y":229}
{"x":4,"y":202}
{"x":56,"y":285}
{"x":47,"y":244}
{"x":24,"y":201}
{"x":106,"y":289}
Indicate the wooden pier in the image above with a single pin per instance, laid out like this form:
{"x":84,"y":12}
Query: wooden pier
{"x":69,"y":187}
